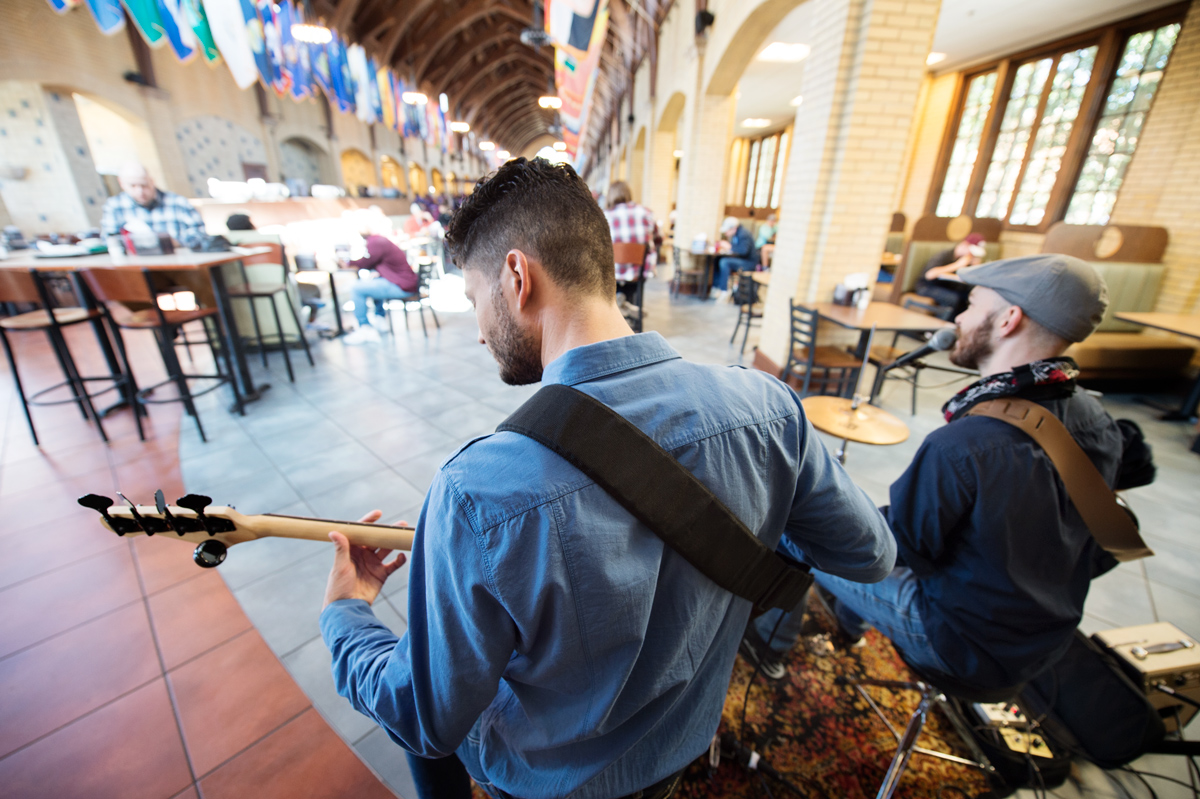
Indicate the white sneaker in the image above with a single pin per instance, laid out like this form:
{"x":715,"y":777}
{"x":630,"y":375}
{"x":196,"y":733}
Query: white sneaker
{"x":365,"y":334}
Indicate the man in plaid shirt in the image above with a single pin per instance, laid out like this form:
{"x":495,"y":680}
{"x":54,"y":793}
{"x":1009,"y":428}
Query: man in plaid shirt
{"x":631,"y":223}
{"x":163,"y":211}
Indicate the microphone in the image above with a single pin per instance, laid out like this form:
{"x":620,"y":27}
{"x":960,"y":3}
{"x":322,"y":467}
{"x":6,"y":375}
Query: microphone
{"x":942,"y":340}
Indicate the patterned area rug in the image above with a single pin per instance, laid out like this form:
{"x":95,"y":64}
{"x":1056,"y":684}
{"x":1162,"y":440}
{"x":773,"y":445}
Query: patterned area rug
{"x":823,"y":737}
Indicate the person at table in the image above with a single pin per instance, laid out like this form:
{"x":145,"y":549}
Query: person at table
{"x":631,"y":223}
{"x":418,"y":221}
{"x":396,"y":280}
{"x":939,"y":282}
{"x":555,"y":645}
{"x":994,"y":559}
{"x":764,"y":240}
{"x":738,"y":255}
{"x":163,"y":211}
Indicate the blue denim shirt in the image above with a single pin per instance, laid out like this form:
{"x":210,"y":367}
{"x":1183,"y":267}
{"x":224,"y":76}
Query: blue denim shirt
{"x":553,"y":640}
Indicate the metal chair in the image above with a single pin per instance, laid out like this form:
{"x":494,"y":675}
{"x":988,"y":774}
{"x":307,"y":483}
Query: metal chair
{"x":129,"y":302}
{"x":934,"y":690}
{"x":633,"y":253}
{"x":749,"y":309}
{"x":247,"y":290}
{"x":882,"y":356}
{"x":28,"y":287}
{"x":420,"y":298}
{"x":838,"y":367}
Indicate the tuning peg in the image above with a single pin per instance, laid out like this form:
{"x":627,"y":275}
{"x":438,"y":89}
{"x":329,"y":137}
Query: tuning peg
{"x":100,"y":505}
{"x":160,"y":503}
{"x":137,"y":517}
{"x":197,"y":503}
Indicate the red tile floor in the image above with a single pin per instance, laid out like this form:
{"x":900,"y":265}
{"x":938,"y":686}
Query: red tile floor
{"x":126,"y":671}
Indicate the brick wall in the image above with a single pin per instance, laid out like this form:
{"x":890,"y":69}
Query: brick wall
{"x":1162,"y":185}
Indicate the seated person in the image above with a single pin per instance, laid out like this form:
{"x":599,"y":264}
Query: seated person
{"x":994,"y":561}
{"x":396,"y":280}
{"x":740,"y":255}
{"x":163,"y":211}
{"x":938,"y":283}
{"x":764,"y":241}
{"x":418,"y":222}
{"x":629,"y":222}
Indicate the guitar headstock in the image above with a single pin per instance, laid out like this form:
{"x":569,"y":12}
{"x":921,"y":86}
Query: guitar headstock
{"x":213,"y":528}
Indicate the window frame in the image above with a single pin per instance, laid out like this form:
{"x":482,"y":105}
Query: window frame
{"x":742,"y":182}
{"x":1110,"y":41}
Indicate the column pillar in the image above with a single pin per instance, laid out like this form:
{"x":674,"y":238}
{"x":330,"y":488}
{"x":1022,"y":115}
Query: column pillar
{"x":708,"y":128}
{"x":860,"y":88}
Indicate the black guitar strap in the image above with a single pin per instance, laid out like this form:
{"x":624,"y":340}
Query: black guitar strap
{"x":662,"y":494}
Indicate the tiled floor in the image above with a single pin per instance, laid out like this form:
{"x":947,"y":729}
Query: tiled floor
{"x":127,"y":671}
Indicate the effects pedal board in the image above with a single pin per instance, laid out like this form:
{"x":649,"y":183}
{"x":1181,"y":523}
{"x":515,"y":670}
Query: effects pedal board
{"x":999,"y":714}
{"x":1158,"y":654}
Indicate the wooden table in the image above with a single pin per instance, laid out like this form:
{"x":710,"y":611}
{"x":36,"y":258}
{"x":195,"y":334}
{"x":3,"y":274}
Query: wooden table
{"x":186,"y":262}
{"x":1184,"y":325}
{"x":878,"y":315}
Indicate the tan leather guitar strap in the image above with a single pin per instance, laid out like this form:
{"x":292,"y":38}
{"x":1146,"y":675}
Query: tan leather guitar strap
{"x":1108,"y":522}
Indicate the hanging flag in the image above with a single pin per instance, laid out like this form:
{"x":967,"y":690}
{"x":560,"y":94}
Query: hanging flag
{"x":295,"y":54}
{"x":339,"y":70}
{"x":108,"y":15}
{"x":578,"y":39}
{"x":431,"y":128}
{"x":179,"y":32}
{"x":147,"y":20}
{"x":281,"y":80}
{"x":227,"y":22}
{"x":197,"y":22}
{"x":375,"y":96}
{"x":387,"y":101}
{"x":258,"y":42}
{"x":322,"y":76}
{"x":357,"y":60}
{"x":63,"y":6}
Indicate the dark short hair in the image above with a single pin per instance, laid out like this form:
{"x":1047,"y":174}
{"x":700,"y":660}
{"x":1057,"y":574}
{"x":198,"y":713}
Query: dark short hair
{"x":540,"y":208}
{"x":239,"y":222}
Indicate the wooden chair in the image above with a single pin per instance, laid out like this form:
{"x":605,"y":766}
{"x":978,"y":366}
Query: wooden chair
{"x":130,"y":303}
{"x":838,"y":367}
{"x":749,"y":308}
{"x":420,"y":298}
{"x":633,"y":253}
{"x":269,"y":290}
{"x":18,"y":286}
{"x":697,"y":276}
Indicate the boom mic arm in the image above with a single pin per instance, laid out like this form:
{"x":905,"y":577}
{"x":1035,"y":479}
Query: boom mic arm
{"x":942,"y":340}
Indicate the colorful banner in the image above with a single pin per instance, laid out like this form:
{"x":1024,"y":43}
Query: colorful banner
{"x":63,"y":6}
{"x":322,"y":74}
{"x":339,"y":70}
{"x":108,"y":15}
{"x":357,"y":60}
{"x":387,"y":100}
{"x":197,"y":21}
{"x":375,"y":97}
{"x":147,"y":20}
{"x":231,"y":34}
{"x":281,"y":76}
{"x":572,"y":23}
{"x":178,"y":31}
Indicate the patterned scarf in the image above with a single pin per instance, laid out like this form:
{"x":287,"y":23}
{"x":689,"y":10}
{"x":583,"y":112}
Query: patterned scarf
{"x":1049,"y":379}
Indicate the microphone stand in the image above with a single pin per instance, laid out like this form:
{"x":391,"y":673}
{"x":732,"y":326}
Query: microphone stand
{"x":856,"y":397}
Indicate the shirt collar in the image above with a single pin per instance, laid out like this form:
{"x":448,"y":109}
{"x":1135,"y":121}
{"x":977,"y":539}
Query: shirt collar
{"x":592,"y":361}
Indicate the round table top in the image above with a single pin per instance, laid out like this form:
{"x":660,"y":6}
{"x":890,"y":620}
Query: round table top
{"x":865,"y":424}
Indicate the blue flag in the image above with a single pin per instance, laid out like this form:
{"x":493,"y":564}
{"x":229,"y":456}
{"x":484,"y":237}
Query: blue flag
{"x":108,"y":15}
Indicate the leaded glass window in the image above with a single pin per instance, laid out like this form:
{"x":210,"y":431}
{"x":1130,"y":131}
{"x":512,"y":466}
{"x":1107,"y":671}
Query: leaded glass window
{"x":777,"y":189}
{"x":1139,"y":73}
{"x":1020,"y":116}
{"x":966,"y":144}
{"x":766,"y":164}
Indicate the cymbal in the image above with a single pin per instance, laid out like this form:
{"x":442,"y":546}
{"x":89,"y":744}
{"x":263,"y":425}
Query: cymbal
{"x":865,"y":424}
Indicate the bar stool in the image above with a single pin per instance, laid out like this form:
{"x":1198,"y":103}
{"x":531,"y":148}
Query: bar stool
{"x":121,"y":291}
{"x":28,"y":287}
{"x":247,"y":290}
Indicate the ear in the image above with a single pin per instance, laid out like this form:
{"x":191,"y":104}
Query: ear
{"x":517,"y":278}
{"x":1009,"y":321}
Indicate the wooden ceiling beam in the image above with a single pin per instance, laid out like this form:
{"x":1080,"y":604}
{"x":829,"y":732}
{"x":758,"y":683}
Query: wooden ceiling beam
{"x":465,"y":99}
{"x":462,"y":59}
{"x":404,"y":17}
{"x":496,"y":90}
{"x":464,"y":18}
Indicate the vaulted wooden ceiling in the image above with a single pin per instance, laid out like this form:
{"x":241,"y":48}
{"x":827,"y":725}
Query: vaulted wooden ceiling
{"x":469,"y":49}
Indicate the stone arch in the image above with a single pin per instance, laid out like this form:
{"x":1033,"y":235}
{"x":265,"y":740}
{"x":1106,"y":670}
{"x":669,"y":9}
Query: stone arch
{"x":392,"y":173}
{"x":436,"y":183}
{"x":302,"y":160}
{"x":357,"y":170}
{"x":418,"y":183}
{"x":637,"y":164}
{"x":740,"y":42}
{"x":672,"y":110}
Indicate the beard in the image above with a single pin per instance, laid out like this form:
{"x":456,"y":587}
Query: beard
{"x":973,"y":348}
{"x":515,"y":350}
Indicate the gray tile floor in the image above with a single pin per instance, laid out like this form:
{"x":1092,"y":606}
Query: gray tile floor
{"x":369,"y":426}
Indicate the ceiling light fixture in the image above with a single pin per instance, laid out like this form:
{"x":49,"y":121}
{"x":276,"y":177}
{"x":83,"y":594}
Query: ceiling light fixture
{"x":754,"y":122}
{"x":550,"y":101}
{"x":934,"y":58}
{"x":678,"y":153}
{"x":414,"y":98}
{"x":797,"y":100}
{"x":487,"y":145}
{"x":784,"y":53}
{"x":560,"y":146}
{"x":460,"y":127}
{"x":312,"y":34}
{"x":504,"y":155}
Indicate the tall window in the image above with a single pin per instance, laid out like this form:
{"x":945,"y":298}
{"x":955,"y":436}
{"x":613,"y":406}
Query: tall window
{"x":756,"y":170}
{"x":1021,"y":150}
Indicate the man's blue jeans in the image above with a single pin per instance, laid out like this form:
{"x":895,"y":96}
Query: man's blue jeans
{"x":889,"y":606}
{"x":378,"y":290}
{"x":725,"y":266}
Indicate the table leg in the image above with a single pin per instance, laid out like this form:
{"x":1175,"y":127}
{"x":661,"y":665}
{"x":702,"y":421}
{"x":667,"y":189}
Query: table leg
{"x":337,"y":305}
{"x":114,"y":368}
{"x":1188,"y":409}
{"x":250,"y":393}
